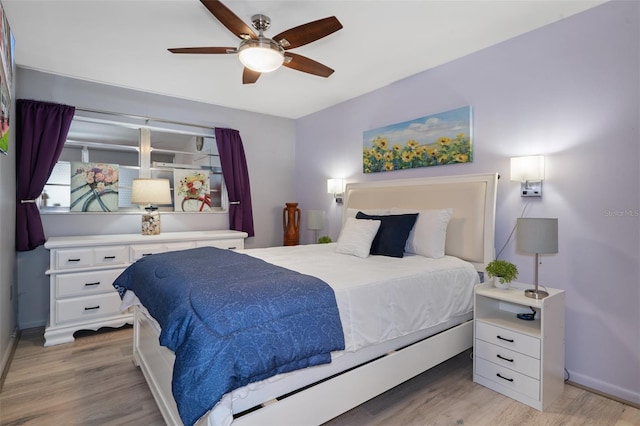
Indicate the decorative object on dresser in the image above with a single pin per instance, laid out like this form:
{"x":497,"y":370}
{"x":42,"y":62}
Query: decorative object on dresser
{"x":82,"y":269}
{"x":538,"y":236}
{"x":522,"y":359}
{"x":502,"y":272}
{"x":291,"y":224}
{"x":315,"y":222}
{"x":149,"y":193}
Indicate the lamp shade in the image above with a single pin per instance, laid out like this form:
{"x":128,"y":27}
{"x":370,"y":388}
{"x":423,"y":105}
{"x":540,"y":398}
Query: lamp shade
{"x":315,"y":220}
{"x":537,"y":235}
{"x":150,"y":191}
{"x":335,"y":186}
{"x":530,"y":168}
{"x":261,"y":55}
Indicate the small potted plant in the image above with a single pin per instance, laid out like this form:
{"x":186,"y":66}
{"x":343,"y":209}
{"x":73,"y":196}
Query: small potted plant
{"x":502,"y":272}
{"x":324,"y":239}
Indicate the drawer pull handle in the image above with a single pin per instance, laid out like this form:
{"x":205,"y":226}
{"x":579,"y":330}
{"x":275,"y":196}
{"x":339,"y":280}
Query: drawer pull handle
{"x":146,"y":254}
{"x":504,"y":378}
{"x":505,"y":339}
{"x":73,"y":260}
{"x":231,"y":248}
{"x":90,"y":284}
{"x":506,"y":359}
{"x":109,"y":257}
{"x":92,"y":308}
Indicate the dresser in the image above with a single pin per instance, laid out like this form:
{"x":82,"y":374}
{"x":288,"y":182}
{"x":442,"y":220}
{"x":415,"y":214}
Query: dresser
{"x":82,"y":270}
{"x":521,"y":359}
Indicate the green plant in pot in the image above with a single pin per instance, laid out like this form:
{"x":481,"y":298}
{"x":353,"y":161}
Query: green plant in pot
{"x":502,"y":272}
{"x":324,"y":240}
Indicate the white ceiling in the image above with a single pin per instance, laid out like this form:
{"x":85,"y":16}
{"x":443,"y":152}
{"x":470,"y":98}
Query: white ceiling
{"x":124,"y":43}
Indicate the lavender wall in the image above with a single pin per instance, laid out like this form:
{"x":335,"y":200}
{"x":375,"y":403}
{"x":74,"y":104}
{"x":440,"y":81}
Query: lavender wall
{"x":569,"y":91}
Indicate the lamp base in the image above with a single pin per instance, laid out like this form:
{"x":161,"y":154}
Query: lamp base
{"x":536,"y":294}
{"x":151,"y":223}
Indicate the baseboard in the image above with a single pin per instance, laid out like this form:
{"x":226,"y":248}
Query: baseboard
{"x":8,"y":356}
{"x":628,"y":401}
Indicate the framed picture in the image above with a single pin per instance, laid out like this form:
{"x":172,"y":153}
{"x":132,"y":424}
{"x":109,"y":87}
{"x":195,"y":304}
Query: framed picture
{"x":433,"y":140}
{"x":7,"y":43}
{"x":192,"y":192}
{"x":94,"y":187}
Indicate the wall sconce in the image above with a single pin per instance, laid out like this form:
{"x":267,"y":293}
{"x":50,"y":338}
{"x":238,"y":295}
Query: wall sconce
{"x":149,"y":193}
{"x":336,"y":187}
{"x":530,"y":171}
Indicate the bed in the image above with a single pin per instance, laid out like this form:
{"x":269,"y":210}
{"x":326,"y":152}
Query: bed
{"x":382,"y":350}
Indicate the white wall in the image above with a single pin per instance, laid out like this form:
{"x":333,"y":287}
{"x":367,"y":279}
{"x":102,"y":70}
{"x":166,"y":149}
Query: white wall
{"x":569,"y":91}
{"x":269,"y":148}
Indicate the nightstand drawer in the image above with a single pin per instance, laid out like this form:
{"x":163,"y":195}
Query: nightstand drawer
{"x":508,"y":378}
{"x":70,"y":285}
{"x":507,"y":358}
{"x":87,"y":308}
{"x":508,"y":339}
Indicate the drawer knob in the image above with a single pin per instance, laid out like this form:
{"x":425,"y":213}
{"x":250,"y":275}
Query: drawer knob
{"x":92,"y":308}
{"x":506,"y":359}
{"x":504,"y":378}
{"x":90,"y":284}
{"x":505,"y":339}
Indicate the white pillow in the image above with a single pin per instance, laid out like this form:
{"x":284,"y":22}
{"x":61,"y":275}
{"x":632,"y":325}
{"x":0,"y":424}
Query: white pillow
{"x":429,"y":234}
{"x":356,"y":236}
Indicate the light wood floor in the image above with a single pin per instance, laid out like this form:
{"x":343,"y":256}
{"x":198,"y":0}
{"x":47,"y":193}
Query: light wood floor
{"x":93,"y":382}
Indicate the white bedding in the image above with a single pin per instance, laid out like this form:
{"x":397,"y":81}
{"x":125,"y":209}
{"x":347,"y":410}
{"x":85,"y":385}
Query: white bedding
{"x":381,"y":298}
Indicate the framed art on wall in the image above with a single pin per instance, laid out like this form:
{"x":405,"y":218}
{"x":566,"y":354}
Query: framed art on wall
{"x":94,"y":187}
{"x":6,"y":78}
{"x":433,"y":140}
{"x":192,"y":192}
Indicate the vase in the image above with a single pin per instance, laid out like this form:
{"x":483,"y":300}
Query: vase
{"x":498,"y":284}
{"x":291,"y":224}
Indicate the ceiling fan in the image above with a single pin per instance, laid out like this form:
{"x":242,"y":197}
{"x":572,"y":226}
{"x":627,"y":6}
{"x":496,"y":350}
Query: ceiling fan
{"x":260,"y":54}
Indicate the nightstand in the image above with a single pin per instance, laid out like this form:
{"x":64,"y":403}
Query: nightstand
{"x":521,"y":359}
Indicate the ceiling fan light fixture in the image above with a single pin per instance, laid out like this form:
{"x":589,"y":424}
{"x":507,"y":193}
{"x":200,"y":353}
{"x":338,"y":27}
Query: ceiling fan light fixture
{"x":261,"y":55}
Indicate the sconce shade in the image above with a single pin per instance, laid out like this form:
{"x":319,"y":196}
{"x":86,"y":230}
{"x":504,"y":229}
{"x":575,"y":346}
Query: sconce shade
{"x":150,"y":191}
{"x":335,"y":186}
{"x":530,"y":168}
{"x":537,"y":235}
{"x":315,"y":220}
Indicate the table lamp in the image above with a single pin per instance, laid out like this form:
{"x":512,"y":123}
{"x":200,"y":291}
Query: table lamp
{"x":150,"y":193}
{"x":315,"y":221}
{"x":538,"y":236}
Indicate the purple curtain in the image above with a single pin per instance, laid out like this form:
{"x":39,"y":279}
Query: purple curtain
{"x":236,"y":178}
{"x":41,"y":132}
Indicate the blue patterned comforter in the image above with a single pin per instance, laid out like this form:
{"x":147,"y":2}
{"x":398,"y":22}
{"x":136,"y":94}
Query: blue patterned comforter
{"x":232,"y":319}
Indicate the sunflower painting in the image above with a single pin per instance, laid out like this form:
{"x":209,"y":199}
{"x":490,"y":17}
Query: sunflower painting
{"x":443,"y":138}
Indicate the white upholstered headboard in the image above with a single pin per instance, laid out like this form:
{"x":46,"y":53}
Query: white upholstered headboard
{"x":470,"y":234}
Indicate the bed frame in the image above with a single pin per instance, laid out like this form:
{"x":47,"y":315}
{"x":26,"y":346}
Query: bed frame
{"x":470,"y":236}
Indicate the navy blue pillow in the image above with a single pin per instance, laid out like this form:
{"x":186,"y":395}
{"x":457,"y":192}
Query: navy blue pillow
{"x":392,"y":234}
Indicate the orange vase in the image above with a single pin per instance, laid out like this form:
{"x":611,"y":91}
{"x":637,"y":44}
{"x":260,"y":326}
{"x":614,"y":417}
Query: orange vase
{"x":291,"y":224}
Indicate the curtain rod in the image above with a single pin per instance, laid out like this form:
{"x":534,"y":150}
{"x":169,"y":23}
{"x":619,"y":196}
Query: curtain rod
{"x":140,"y":117}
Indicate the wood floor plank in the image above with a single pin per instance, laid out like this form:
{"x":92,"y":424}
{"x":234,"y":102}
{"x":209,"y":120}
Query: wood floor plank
{"x":93,"y":381}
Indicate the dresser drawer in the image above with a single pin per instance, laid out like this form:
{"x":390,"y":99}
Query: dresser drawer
{"x":82,"y":283}
{"x":86,"y":308}
{"x":73,"y":258}
{"x":509,"y":339}
{"x":140,"y":251}
{"x":231,"y":244}
{"x":507,"y":358}
{"x":111,"y":255}
{"x":510,"y":379}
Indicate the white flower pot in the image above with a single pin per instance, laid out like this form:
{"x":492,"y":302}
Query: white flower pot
{"x":498,"y":284}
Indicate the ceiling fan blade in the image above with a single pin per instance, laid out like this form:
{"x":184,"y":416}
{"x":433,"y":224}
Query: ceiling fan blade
{"x":229,"y":19}
{"x":307,"y":33}
{"x":304,"y":64}
{"x":204,"y":50}
{"x":250,"y":76}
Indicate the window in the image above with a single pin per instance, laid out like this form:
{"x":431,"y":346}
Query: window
{"x":139,"y":150}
